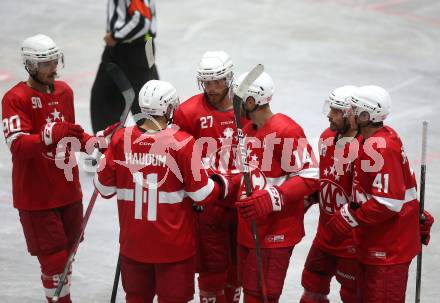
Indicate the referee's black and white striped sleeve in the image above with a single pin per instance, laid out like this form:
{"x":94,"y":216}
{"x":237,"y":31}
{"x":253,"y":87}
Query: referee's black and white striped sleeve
{"x":123,"y":26}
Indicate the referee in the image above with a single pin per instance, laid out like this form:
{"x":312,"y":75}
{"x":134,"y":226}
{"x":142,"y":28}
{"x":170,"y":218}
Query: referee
{"x":129,"y":24}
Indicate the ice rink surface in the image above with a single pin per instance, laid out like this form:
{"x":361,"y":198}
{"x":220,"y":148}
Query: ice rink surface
{"x":309,"y":47}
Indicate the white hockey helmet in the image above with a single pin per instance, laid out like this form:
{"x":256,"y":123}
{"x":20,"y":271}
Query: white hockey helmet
{"x":372,"y":99}
{"x":158,"y":98}
{"x":215,"y":65}
{"x":340,"y":98}
{"x":262,"y":89}
{"x":40,"y":48}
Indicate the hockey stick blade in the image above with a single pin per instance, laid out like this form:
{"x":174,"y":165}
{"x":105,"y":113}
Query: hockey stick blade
{"x":121,"y":81}
{"x":242,"y":89}
{"x":249,"y":79}
{"x":237,"y":104}
{"x":149,"y":52}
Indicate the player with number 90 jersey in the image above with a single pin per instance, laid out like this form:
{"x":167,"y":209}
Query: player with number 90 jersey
{"x":154,"y":178}
{"x":25,"y":111}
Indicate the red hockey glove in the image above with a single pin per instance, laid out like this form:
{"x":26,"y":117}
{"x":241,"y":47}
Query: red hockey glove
{"x":53,"y":132}
{"x":261,"y":203}
{"x":229,"y":186}
{"x":103,"y":137}
{"x":425,"y":227}
{"x":340,"y":225}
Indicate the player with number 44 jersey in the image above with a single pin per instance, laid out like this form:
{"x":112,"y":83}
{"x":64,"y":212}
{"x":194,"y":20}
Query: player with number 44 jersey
{"x":282,"y":172}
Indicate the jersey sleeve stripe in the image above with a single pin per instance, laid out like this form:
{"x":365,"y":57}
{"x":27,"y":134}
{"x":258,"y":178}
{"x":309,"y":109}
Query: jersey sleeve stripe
{"x":12,"y":137}
{"x":396,"y":204}
{"x":125,"y":194}
{"x":171,"y":197}
{"x":105,"y":191}
{"x":276,"y":181}
{"x":308,"y":173}
{"x":202,"y":193}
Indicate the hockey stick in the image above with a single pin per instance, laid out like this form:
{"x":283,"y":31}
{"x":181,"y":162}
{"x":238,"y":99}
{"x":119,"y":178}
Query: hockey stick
{"x":116,"y":280}
{"x":127,"y":91}
{"x":237,"y":103}
{"x":151,"y":61}
{"x":422,"y":207}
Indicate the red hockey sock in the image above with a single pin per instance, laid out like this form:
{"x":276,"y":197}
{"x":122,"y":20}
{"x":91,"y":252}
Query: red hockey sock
{"x":161,"y":300}
{"x":51,"y":269}
{"x":211,"y":286}
{"x":232,"y":294}
{"x":247,"y":298}
{"x":212,"y":297}
{"x":311,"y":297}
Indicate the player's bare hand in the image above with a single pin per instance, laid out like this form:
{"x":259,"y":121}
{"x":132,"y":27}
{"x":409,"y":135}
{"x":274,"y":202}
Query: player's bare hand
{"x":109,"y":40}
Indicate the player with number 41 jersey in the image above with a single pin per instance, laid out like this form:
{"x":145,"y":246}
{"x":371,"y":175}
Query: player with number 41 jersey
{"x":384,"y":214}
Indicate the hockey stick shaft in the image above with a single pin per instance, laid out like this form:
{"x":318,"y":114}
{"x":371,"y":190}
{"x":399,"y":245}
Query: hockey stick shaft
{"x":151,"y":60}
{"x":72,"y":254}
{"x":237,"y":104}
{"x":116,"y":281}
{"x":127,"y":91}
{"x":248,"y":187}
{"x":422,"y":207}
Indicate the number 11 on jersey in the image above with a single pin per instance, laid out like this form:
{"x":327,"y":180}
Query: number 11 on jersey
{"x":145,"y":191}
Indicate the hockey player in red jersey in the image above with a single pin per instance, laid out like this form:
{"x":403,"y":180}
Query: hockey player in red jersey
{"x":37,"y":115}
{"x":384,"y":214}
{"x":209,"y":115}
{"x":151,"y":170}
{"x":283,"y":171}
{"x":326,"y":260}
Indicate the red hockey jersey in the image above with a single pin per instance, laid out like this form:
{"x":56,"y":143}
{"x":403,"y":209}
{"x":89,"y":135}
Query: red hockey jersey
{"x":213,"y":128}
{"x":335,"y":186}
{"x":276,"y":152}
{"x":385,"y":187}
{"x":155,"y":179}
{"x":37,"y":182}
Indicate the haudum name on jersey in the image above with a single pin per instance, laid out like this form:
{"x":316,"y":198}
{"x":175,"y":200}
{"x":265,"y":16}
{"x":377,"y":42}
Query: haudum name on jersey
{"x":145,"y":159}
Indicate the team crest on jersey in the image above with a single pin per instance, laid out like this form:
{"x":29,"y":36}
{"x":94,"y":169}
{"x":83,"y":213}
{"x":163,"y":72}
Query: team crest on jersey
{"x":224,"y":159}
{"x":331,"y":196}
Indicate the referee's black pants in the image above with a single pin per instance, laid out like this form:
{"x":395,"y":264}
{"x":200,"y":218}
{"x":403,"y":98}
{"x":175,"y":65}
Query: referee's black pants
{"x":107,"y":102}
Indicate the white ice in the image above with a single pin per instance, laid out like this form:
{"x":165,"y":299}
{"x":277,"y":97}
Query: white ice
{"x":309,"y":47}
